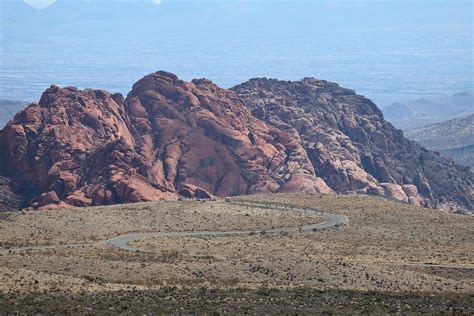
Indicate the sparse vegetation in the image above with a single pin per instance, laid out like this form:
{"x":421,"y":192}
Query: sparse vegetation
{"x":383,"y":254}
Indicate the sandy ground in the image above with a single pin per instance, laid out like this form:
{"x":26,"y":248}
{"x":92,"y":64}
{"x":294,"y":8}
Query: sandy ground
{"x":385,"y":249}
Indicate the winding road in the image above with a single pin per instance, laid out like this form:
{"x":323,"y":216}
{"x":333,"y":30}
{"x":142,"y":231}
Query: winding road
{"x":123,"y":241}
{"x":333,"y":220}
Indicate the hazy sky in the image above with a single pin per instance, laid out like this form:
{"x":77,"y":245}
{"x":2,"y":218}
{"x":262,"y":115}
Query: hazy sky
{"x":41,"y":4}
{"x":389,"y":50}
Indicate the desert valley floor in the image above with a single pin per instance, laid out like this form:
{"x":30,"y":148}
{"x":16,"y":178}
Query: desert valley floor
{"x":389,"y":257}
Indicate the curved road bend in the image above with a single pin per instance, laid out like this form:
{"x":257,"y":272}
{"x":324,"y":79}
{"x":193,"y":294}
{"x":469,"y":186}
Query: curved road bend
{"x":122,"y":241}
{"x":333,"y":220}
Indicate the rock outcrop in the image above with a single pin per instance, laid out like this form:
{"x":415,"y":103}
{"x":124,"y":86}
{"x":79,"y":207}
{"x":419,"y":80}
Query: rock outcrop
{"x":199,"y":135}
{"x":171,"y":138}
{"x":353,"y":148}
{"x":75,"y":147}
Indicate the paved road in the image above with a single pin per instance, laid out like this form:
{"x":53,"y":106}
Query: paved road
{"x":122,"y":241}
{"x":333,"y":220}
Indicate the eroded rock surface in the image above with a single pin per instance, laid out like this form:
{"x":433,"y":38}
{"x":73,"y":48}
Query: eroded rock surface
{"x":353,"y":148}
{"x":196,"y":136}
{"x":172,"y":138}
{"x":75,"y":147}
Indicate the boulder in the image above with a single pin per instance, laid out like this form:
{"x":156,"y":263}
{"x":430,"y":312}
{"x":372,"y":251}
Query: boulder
{"x":49,"y":198}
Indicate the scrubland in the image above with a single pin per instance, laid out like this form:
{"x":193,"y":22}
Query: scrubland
{"x":391,"y":257}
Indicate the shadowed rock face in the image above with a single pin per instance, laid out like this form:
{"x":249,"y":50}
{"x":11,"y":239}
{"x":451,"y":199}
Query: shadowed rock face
{"x":8,"y":198}
{"x":171,"y":138}
{"x":353,"y":148}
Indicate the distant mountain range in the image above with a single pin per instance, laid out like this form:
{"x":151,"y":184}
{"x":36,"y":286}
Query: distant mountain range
{"x":110,"y":44}
{"x":429,"y":111}
{"x":80,"y":17}
{"x":454,"y":138}
{"x":259,"y":17}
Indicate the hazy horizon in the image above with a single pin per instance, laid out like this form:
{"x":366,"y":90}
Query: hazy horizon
{"x":389,"y":51}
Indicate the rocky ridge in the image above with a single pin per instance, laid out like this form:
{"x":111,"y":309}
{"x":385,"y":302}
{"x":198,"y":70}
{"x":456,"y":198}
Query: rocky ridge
{"x":172,"y":138}
{"x":353,"y":148}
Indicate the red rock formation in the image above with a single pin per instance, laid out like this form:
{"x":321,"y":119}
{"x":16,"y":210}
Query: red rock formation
{"x":199,"y":135}
{"x":169,"y":137}
{"x":353,"y":148}
{"x":194,"y":139}
{"x":75,"y":146}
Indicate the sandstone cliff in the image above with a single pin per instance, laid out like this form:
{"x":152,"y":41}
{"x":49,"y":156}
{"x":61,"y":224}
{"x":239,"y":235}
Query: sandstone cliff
{"x":171,"y":138}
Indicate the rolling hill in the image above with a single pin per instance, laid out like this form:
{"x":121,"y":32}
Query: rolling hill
{"x":422,"y":112}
